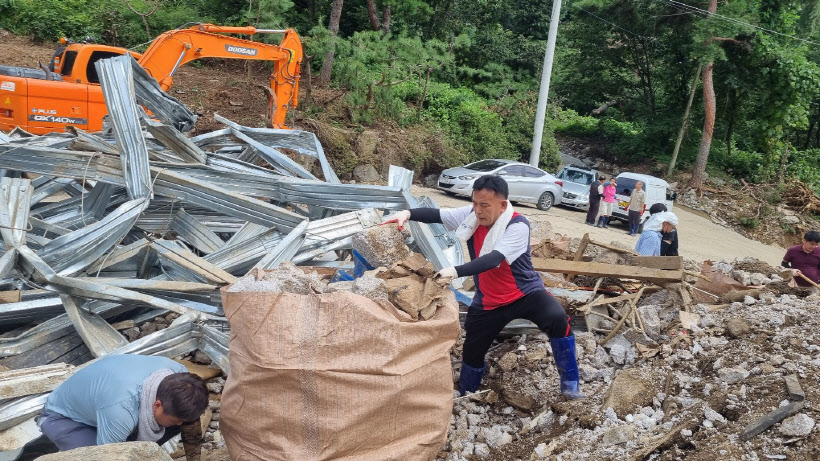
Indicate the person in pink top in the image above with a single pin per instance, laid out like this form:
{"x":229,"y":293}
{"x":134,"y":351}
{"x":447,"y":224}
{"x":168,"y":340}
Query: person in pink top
{"x":607,"y":203}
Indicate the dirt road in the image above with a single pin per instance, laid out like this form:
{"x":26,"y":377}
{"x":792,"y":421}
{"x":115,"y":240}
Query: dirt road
{"x":700,"y":239}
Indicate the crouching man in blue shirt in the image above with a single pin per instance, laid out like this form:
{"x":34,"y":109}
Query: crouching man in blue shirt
{"x":123,"y":398}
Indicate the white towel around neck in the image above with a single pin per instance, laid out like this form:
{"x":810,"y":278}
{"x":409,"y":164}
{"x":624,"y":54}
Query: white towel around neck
{"x":470,"y":224}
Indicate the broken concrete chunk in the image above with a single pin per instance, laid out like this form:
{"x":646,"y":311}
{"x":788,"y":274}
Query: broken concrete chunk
{"x":738,"y":328}
{"x":651,"y":320}
{"x":508,"y":361}
{"x":128,"y":451}
{"x":381,"y":246}
{"x":618,"y":435}
{"x":798,"y":425}
{"x":370,"y":287}
{"x":732,"y":375}
{"x":286,"y":278}
{"x":629,"y":390}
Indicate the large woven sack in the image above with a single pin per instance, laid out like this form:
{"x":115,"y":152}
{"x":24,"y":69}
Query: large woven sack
{"x":335,"y":376}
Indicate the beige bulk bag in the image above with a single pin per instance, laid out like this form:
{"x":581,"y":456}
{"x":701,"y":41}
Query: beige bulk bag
{"x":335,"y":376}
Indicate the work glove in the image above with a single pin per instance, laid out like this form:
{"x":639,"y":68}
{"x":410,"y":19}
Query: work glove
{"x":399,"y":218}
{"x":446,"y":275}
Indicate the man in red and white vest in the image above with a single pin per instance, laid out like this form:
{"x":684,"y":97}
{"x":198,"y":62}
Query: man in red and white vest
{"x":507,"y":286}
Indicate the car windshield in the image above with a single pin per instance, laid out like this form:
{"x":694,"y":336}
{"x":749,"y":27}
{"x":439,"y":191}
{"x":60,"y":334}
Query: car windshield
{"x":485,"y":165}
{"x":626,"y":185}
{"x":576,"y":176}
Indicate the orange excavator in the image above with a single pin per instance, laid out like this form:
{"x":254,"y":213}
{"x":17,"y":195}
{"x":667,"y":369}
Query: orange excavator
{"x":68,"y":92}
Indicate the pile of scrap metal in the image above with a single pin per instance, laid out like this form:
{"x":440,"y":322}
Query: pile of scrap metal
{"x":140,"y":220}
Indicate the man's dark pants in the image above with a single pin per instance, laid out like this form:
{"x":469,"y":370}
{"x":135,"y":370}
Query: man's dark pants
{"x":634,"y":221}
{"x":483,"y":326}
{"x":592,"y":214}
{"x":68,"y":434}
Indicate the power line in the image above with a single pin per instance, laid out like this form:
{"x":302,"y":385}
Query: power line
{"x":613,"y":24}
{"x":704,"y":13}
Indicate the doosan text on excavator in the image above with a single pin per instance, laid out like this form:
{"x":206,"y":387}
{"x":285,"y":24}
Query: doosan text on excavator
{"x":68,"y":93}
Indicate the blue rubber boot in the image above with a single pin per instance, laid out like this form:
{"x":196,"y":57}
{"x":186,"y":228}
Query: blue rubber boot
{"x":470,"y":378}
{"x":563,"y":349}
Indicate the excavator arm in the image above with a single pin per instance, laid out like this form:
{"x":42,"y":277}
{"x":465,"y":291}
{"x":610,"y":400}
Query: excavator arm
{"x":174,"y":48}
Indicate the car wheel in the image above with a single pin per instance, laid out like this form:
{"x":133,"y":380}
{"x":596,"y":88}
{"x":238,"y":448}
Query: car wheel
{"x":545,"y":201}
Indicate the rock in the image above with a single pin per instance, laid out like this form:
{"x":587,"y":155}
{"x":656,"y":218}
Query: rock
{"x":618,"y":435}
{"x":588,"y":373}
{"x":366,"y":144}
{"x":541,"y":451}
{"x":742,"y":276}
{"x":468,"y":449}
{"x":508,"y":361}
{"x":481,"y":450}
{"x":520,"y":395}
{"x":201,"y":358}
{"x":760,"y":279}
{"x":131,"y":333}
{"x":748,"y":300}
{"x":628,"y":390}
{"x":370,"y":287}
{"x":502,"y":439}
{"x":732,"y":375}
{"x":738,"y":328}
{"x":366,"y":173}
{"x":215,"y":387}
{"x":790,"y":219}
{"x":128,"y":451}
{"x":798,"y":425}
{"x":621,"y":350}
{"x":714,"y":416}
{"x":533,"y":357}
{"x":600,"y":358}
{"x":651,"y":320}
{"x":381,"y":246}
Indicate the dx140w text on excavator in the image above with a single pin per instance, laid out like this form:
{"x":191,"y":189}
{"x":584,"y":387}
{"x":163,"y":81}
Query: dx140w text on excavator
{"x":68,"y":93}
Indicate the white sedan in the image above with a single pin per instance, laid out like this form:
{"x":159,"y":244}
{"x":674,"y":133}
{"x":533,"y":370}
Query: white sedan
{"x":526,"y":183}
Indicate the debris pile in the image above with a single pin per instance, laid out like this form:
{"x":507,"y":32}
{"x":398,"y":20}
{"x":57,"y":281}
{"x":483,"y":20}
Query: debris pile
{"x":680,"y":378}
{"x":119,"y":241}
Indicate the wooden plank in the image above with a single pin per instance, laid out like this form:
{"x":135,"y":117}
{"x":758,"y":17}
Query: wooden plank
{"x":613,"y":248}
{"x":659,"y":262}
{"x":606,"y":270}
{"x":10,"y":296}
{"x":579,"y":253}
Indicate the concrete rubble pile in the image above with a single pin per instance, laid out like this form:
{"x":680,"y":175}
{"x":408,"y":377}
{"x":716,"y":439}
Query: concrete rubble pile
{"x":729,"y":377}
{"x":118,"y":242}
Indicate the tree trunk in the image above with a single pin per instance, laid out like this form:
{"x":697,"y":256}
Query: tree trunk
{"x":784,"y":160}
{"x":808,"y":135}
{"x":685,"y":123}
{"x":373,"y":15}
{"x":386,"y":16}
{"x":708,"y":119}
{"x":327,"y":64}
{"x":423,"y":94}
{"x":308,"y":80}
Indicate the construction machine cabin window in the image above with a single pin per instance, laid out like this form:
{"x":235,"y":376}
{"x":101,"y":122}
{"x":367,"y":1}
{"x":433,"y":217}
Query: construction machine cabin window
{"x":68,"y":63}
{"x":91,"y":70}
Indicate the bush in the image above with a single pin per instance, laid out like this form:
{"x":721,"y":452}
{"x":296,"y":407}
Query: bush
{"x":741,"y":164}
{"x":48,"y":20}
{"x":749,"y":222}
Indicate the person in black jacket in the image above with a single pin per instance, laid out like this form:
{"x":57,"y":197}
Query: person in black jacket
{"x":596,"y":191}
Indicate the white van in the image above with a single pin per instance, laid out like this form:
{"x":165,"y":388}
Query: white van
{"x":657,"y":191}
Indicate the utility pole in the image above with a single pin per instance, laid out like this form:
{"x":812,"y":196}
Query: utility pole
{"x":541,"y":112}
